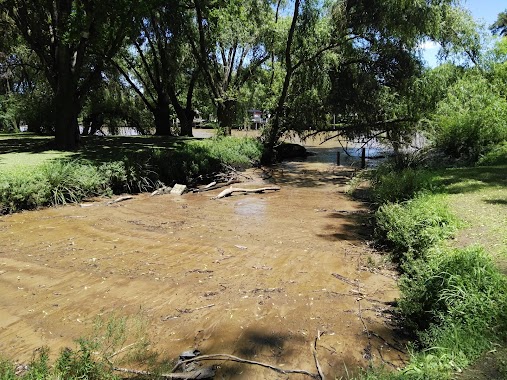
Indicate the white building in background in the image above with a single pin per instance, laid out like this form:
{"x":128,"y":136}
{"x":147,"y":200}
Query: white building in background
{"x":258,"y":118}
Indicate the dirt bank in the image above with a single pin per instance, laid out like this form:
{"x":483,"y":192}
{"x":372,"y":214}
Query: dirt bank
{"x":255,"y":276}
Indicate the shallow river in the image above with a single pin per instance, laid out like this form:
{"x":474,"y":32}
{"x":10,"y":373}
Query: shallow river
{"x":257,"y":276}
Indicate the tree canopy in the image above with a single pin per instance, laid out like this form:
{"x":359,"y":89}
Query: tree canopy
{"x":348,"y":66}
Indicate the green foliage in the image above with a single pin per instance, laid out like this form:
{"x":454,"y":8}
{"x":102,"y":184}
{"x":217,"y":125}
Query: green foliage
{"x":471,"y":118}
{"x":7,"y":370}
{"x":237,"y":152}
{"x":410,"y":229}
{"x":20,"y":190}
{"x":496,"y":156}
{"x":71,"y":181}
{"x":390,"y":185}
{"x":82,"y":364}
{"x":61,"y":181}
{"x":456,"y":301}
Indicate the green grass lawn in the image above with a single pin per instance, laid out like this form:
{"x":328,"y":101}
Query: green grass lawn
{"x":18,"y":151}
{"x":478,"y":196}
{"x":33,"y":174}
{"x":30,"y":150}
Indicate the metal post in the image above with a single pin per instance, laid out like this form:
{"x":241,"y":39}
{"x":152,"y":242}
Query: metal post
{"x":338,"y":158}
{"x":363,"y":158}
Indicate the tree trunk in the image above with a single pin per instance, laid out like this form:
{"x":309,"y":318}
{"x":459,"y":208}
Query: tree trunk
{"x":162,"y":116}
{"x":226,"y":114}
{"x":66,"y":110}
{"x":186,"y":118}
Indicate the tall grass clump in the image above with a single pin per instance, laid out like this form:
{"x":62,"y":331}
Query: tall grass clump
{"x":114,"y":340}
{"x":389,"y":185}
{"x":71,"y":181}
{"x":238,"y":152}
{"x":411,"y":228}
{"x":456,"y":303}
{"x":53,"y":183}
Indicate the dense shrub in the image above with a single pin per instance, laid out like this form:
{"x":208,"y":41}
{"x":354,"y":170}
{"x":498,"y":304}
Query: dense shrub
{"x":411,"y":228}
{"x":496,"y":156}
{"x":390,"y":185}
{"x":23,"y":190}
{"x":62,"y":181}
{"x":459,"y":287}
{"x":471,"y":118}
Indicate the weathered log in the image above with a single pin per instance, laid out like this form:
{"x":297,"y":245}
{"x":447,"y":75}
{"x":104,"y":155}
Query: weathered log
{"x":217,"y":185}
{"x":231,"y":190}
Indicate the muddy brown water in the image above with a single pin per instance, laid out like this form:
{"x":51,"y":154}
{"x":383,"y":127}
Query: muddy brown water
{"x":256,"y":276}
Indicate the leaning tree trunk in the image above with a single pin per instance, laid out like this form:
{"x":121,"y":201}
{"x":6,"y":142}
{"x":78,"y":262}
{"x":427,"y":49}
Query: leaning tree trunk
{"x":162,"y":116}
{"x":226,"y":115}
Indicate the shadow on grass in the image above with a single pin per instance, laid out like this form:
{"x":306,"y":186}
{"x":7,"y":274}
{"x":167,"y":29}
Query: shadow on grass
{"x":25,"y":143}
{"x":502,"y":202}
{"x":468,"y":180}
{"x":100,"y":149}
{"x":96,"y":149}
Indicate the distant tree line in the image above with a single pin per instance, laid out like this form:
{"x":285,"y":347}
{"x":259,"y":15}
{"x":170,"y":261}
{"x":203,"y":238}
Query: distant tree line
{"x":147,"y":63}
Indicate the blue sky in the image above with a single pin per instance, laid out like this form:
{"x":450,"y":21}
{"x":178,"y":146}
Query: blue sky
{"x":484,"y":11}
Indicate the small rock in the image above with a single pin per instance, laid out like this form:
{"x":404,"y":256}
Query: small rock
{"x":178,"y":189}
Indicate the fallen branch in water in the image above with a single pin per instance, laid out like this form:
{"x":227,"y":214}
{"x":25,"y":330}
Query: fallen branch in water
{"x":200,"y":374}
{"x":120,"y":199}
{"x":217,"y":186}
{"x":231,"y":190}
{"x":314,"y":351}
{"x":226,"y":357}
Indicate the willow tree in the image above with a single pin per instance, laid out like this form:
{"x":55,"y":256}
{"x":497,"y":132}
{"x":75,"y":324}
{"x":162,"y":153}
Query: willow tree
{"x":500,"y":25}
{"x":73,"y":39}
{"x":230,"y":43}
{"x":160,"y":67}
{"x":351,"y":32}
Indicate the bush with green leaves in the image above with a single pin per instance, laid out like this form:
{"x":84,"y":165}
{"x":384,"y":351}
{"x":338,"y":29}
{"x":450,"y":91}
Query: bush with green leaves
{"x":23,"y":190}
{"x":411,"y":228}
{"x":63,"y":181}
{"x":471,"y":119}
{"x":389,"y":185}
{"x":496,"y":156}
{"x":456,"y":302}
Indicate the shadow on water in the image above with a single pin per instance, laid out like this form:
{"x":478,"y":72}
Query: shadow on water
{"x":351,"y":226}
{"x":298,"y":174}
{"x":269,"y":348}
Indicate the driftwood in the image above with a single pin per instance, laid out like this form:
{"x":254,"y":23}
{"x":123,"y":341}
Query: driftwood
{"x":226,"y":357}
{"x":162,"y":190}
{"x":217,"y":185}
{"x":199,"y":374}
{"x":314,"y":351}
{"x":231,"y":190}
{"x":120,"y":199}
